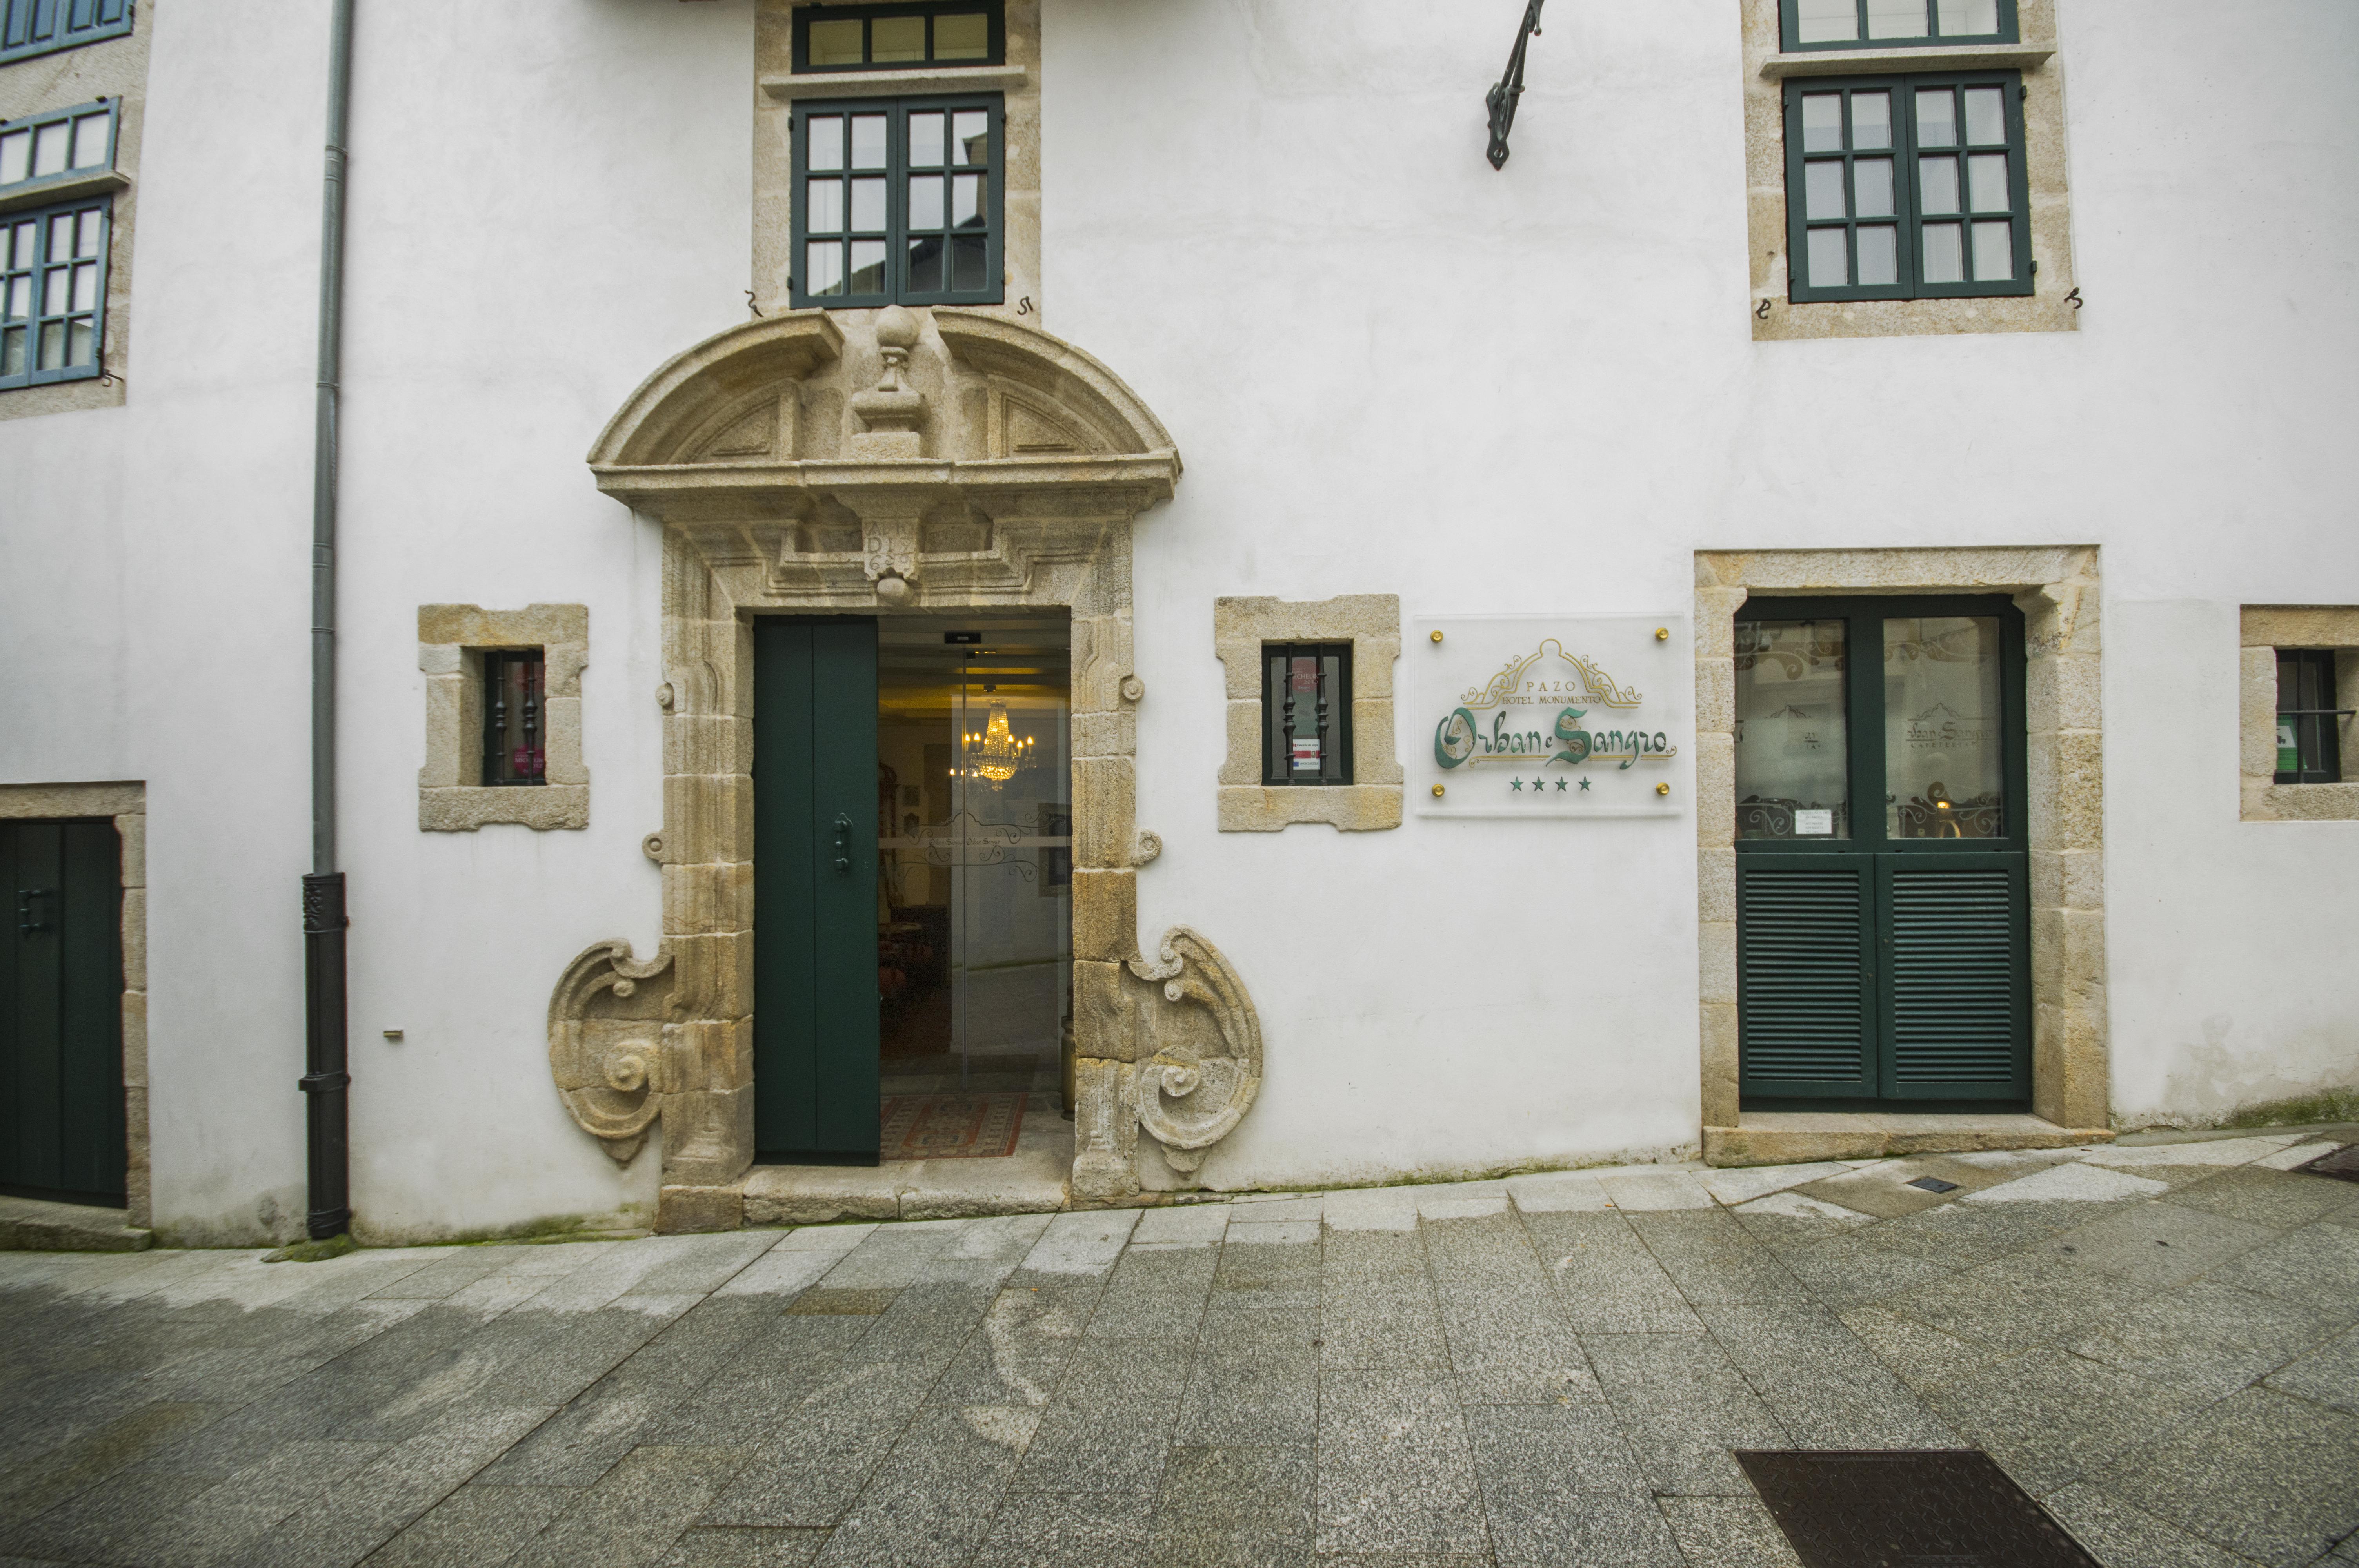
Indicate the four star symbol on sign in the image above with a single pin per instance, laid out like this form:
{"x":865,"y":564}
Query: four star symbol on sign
{"x":1539,"y":786}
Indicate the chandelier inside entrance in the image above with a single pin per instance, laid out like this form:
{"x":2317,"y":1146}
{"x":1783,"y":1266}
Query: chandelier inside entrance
{"x":997,"y":755}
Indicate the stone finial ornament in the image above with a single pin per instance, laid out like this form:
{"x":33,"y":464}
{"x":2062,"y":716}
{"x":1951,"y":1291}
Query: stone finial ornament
{"x":606,"y":1043}
{"x":894,"y":414}
{"x":1205,"y":1068}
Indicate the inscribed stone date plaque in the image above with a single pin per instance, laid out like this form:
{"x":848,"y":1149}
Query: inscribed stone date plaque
{"x":1549,"y":716}
{"x":1906,"y":1508}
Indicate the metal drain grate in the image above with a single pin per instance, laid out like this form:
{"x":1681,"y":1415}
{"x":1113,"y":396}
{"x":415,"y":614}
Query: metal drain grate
{"x":2342,"y":1162}
{"x":1940,"y":1507}
{"x":1933,"y":1184}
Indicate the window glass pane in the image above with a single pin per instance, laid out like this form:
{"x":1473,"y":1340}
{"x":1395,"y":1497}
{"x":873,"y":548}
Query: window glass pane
{"x":90,"y":141}
{"x":926,"y":263}
{"x":867,"y":266}
{"x":12,"y":351}
{"x":1871,"y":120}
{"x":1937,"y":117}
{"x":823,"y":206}
{"x":835,"y":43}
{"x":54,"y":284}
{"x":1941,"y":728}
{"x":20,"y":297}
{"x":967,"y":35}
{"x":1896,"y":19}
{"x":1968,"y":18}
{"x":50,"y":148}
{"x":966,"y":200}
{"x":967,"y":262}
{"x":1793,"y":754}
{"x":897,"y":38}
{"x":85,"y":286}
{"x":60,"y":236}
{"x":1823,"y":122}
{"x":1986,"y":180}
{"x":823,"y":267}
{"x":22,"y":249}
{"x":1993,"y":252}
{"x":823,"y":142}
{"x":868,"y":141}
{"x":53,"y":346}
{"x":1879,"y":253}
{"x":926,"y":140}
{"x":1829,"y":259}
{"x":1825,"y":21}
{"x":867,"y":206}
{"x":970,"y":131}
{"x":1941,"y":251}
{"x":1937,"y":184}
{"x":80,"y":340}
{"x":1871,"y":187}
{"x":86,"y":227}
{"x":1986,"y":116}
{"x":1822,"y":184}
{"x":926,"y":201}
{"x":16,"y":157}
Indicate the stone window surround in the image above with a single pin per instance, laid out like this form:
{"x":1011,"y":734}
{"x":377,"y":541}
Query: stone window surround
{"x":2266,"y":628}
{"x":451,"y":641}
{"x":115,"y":69}
{"x":1017,"y":80}
{"x":1371,"y":623}
{"x":127,"y":805}
{"x":2058,"y":589}
{"x":2045,"y":310}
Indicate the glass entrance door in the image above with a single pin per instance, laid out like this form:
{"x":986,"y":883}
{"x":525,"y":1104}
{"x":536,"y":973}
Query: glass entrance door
{"x":1883,"y":898}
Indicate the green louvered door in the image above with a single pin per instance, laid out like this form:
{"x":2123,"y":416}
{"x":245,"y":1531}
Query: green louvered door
{"x":61,"y":1125}
{"x":815,"y":996}
{"x":1884,"y":952}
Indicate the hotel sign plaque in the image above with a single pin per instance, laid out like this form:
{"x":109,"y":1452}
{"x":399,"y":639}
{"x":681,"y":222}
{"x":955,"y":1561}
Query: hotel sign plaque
{"x":1549,"y":716}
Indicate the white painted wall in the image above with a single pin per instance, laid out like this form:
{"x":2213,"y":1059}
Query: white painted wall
{"x":1389,"y":370}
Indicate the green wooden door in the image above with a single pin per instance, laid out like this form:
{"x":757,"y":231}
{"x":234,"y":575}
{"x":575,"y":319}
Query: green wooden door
{"x":815,"y":1000}
{"x":1882,"y":900}
{"x":61,"y":1131}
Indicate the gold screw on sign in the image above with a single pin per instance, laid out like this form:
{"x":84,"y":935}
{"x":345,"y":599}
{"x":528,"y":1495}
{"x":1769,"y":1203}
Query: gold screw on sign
{"x":1662,"y":634}
{"x":1437,"y":788}
{"x":1662,"y":789}
{"x":1437,"y":636}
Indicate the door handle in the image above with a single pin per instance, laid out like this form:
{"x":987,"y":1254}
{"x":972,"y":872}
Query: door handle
{"x":843,"y":844}
{"x":27,"y":921}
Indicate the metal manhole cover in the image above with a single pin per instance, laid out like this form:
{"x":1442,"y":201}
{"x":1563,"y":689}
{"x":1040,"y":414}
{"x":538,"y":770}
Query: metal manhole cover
{"x":1940,"y":1507}
{"x":1933,"y":1184}
{"x":2342,"y":1162}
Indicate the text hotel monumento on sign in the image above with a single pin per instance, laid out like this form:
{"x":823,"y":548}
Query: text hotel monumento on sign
{"x":1548,"y":715}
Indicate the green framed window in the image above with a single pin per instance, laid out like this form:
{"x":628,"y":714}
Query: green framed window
{"x":56,"y":145}
{"x":899,"y":38}
{"x":1305,"y":713}
{"x":514,"y":719}
{"x":1892,"y":24}
{"x":53,"y":293}
{"x":897,"y":201}
{"x":1907,"y":187}
{"x":30,"y":28}
{"x":2309,"y":740}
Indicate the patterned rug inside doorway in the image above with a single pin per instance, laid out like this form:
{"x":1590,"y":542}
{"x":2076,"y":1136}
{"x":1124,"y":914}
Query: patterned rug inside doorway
{"x":951,"y":1127}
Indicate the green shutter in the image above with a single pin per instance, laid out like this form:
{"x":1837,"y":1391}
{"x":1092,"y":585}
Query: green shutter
{"x":815,"y":1019}
{"x":1805,"y":983}
{"x":1958,"y":992}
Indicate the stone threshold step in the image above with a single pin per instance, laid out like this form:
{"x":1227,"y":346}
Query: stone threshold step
{"x":1032,"y":1180}
{"x":31,"y":1224}
{"x":1799,"y":1136}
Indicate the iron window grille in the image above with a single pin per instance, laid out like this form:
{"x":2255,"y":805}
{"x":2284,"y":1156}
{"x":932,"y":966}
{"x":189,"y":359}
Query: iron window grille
{"x":891,"y":38}
{"x":53,"y":293}
{"x":514,"y":719}
{"x":1305,"y":713}
{"x":57,"y":144}
{"x":2310,"y":748}
{"x":1907,"y":187}
{"x":1892,"y":24}
{"x":897,"y":201}
{"x":30,"y":28}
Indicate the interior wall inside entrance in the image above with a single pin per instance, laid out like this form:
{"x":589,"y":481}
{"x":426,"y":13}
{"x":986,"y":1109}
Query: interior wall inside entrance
{"x":974,"y":840}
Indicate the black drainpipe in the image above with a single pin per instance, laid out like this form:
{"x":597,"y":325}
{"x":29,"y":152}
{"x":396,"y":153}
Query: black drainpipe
{"x":325,"y":1082}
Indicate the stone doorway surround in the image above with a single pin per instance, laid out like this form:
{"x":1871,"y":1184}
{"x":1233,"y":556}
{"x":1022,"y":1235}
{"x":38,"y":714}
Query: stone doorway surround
{"x":863,"y":463}
{"x":2057,"y":587}
{"x":127,"y":805}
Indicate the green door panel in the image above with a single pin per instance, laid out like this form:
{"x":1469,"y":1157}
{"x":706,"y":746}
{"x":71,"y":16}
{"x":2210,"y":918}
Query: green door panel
{"x":1806,"y":985}
{"x":815,"y":1018}
{"x":1957,"y":993}
{"x":61,"y":1117}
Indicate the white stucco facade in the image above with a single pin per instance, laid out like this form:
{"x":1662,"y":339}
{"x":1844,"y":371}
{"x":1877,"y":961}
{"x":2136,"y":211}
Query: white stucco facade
{"x":1390,"y":370}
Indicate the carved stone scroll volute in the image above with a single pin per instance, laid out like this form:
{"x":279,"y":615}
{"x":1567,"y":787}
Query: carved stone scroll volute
{"x":1200,"y":1054}
{"x":606,"y":1043}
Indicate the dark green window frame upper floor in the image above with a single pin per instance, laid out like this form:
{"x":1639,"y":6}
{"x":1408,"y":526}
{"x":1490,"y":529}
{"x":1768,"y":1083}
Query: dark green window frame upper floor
{"x":30,"y":28}
{"x":900,"y":37}
{"x":56,"y":146}
{"x":1892,"y":24}
{"x":53,"y":262}
{"x":898,"y":200}
{"x":1907,"y":187}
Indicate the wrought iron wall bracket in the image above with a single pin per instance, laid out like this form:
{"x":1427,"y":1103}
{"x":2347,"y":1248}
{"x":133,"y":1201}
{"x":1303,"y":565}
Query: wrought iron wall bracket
{"x":1510,"y":87}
